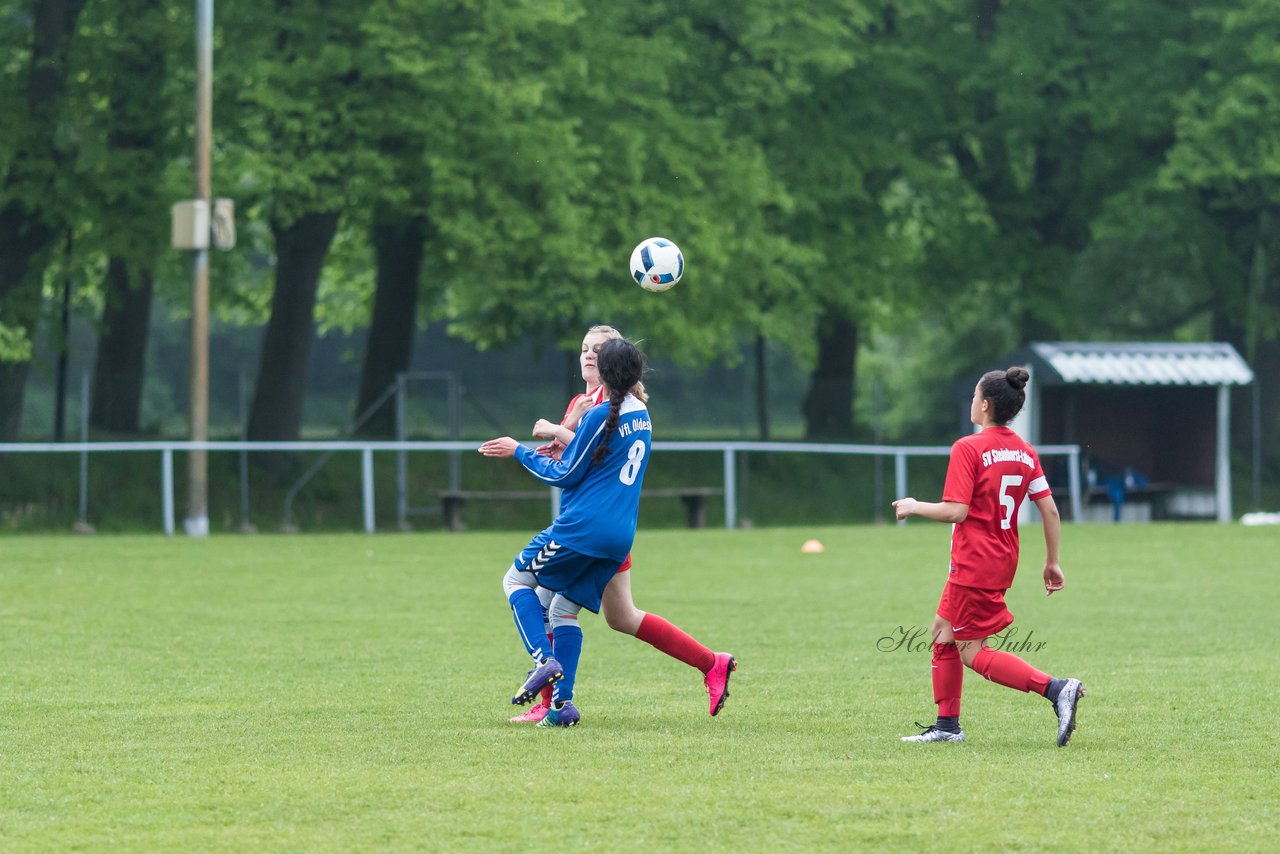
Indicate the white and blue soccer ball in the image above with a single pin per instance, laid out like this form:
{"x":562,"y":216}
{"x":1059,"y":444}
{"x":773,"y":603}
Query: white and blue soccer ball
{"x":656,"y":264}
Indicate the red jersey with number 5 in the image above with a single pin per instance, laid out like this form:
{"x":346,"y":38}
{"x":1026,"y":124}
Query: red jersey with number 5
{"x":991,"y":471}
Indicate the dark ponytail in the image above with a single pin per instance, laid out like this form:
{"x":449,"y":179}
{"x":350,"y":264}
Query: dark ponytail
{"x":621,"y":366}
{"x":610,"y":423}
{"x":1006,"y":390}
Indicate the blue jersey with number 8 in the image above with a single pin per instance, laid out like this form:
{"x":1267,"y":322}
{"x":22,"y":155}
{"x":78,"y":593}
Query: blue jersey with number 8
{"x":601,"y":501}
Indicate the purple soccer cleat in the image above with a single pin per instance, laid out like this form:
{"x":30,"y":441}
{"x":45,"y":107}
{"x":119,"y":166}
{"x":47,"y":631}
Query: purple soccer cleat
{"x":546,"y":673}
{"x":566,"y":715}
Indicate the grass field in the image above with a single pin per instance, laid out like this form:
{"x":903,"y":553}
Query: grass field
{"x":341,"y":693}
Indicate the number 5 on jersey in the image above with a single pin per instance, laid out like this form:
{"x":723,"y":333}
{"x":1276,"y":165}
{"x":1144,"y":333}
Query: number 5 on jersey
{"x":1006,"y":500}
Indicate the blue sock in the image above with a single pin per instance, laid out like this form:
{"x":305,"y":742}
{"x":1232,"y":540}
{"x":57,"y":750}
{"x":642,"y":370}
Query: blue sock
{"x":527,"y":611}
{"x":567,"y":643}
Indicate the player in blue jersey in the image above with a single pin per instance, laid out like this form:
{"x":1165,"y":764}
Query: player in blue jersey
{"x":601,"y":472}
{"x":617,"y":604}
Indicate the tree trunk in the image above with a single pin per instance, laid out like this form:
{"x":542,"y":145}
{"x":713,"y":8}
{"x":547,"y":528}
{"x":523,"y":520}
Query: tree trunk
{"x":1263,"y":350}
{"x":1266,"y":373}
{"x":398,"y":244}
{"x":138,"y":142}
{"x":120,"y":368}
{"x":13,"y":378}
{"x":986,"y":12}
{"x":276,"y":413}
{"x":27,"y":232}
{"x":762,"y":388}
{"x":828,"y":407}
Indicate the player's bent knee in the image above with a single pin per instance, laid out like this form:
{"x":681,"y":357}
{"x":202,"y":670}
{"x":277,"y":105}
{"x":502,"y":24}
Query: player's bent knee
{"x":515,"y":580}
{"x":968,"y":651}
{"x":625,"y":620}
{"x":562,"y":612}
{"x":545,"y":596}
{"x":941,"y":632}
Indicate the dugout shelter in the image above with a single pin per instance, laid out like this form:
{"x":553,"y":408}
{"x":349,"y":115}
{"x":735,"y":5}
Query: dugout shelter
{"x":1153,"y":421}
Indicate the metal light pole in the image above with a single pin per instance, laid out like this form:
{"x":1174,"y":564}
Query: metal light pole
{"x":197,"y":521}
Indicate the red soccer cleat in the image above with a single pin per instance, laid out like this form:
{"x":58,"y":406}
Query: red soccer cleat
{"x":534,"y":715}
{"x":717,"y":680}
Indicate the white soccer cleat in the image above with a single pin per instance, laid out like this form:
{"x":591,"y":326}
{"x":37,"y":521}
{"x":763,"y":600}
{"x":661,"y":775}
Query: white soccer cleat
{"x":1065,"y":707}
{"x":932,"y":733}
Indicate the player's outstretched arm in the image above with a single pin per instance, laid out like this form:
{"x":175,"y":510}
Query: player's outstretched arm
{"x":504,"y":446}
{"x":574,"y":460}
{"x":1053,"y":578}
{"x":938,"y":511}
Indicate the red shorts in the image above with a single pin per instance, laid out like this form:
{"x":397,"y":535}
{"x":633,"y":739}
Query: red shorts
{"x":626,"y":564}
{"x":974,"y":613}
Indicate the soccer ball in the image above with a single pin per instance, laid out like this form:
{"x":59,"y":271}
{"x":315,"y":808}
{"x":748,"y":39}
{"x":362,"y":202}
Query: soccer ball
{"x":656,"y":264}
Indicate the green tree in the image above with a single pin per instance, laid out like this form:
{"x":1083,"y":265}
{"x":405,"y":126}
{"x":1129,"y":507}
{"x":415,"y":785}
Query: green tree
{"x":34,"y":192}
{"x":128,"y":47}
{"x":1059,"y":118}
{"x":1226,"y":159}
{"x":600,"y":145}
{"x":878,"y":201}
{"x":1061,"y":108}
{"x":452,"y":105}
{"x":303,"y":121}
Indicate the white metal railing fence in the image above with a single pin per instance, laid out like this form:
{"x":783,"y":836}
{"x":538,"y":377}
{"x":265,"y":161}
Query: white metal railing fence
{"x":366,"y":449}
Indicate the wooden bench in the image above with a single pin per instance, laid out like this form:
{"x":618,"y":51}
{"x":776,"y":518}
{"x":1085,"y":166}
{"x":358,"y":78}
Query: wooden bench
{"x":453,"y":500}
{"x":694,"y":498}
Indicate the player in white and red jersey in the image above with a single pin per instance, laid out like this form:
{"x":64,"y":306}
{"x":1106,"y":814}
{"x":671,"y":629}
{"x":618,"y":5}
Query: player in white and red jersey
{"x":989,"y":475}
{"x":620,"y":610}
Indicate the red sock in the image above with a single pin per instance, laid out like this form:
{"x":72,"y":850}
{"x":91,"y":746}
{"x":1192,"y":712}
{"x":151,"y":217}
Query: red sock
{"x":547,"y":690}
{"x":948,"y":677}
{"x":1010,"y":671}
{"x":675,"y":642}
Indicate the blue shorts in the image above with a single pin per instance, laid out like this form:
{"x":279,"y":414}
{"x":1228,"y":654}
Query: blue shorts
{"x":578,"y":577}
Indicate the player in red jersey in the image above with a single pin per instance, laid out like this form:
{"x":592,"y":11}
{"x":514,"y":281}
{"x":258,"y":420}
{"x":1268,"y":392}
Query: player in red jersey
{"x":620,"y":610}
{"x":989,"y":475}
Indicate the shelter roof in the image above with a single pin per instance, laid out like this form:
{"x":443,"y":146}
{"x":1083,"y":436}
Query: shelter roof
{"x":1149,"y":364}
